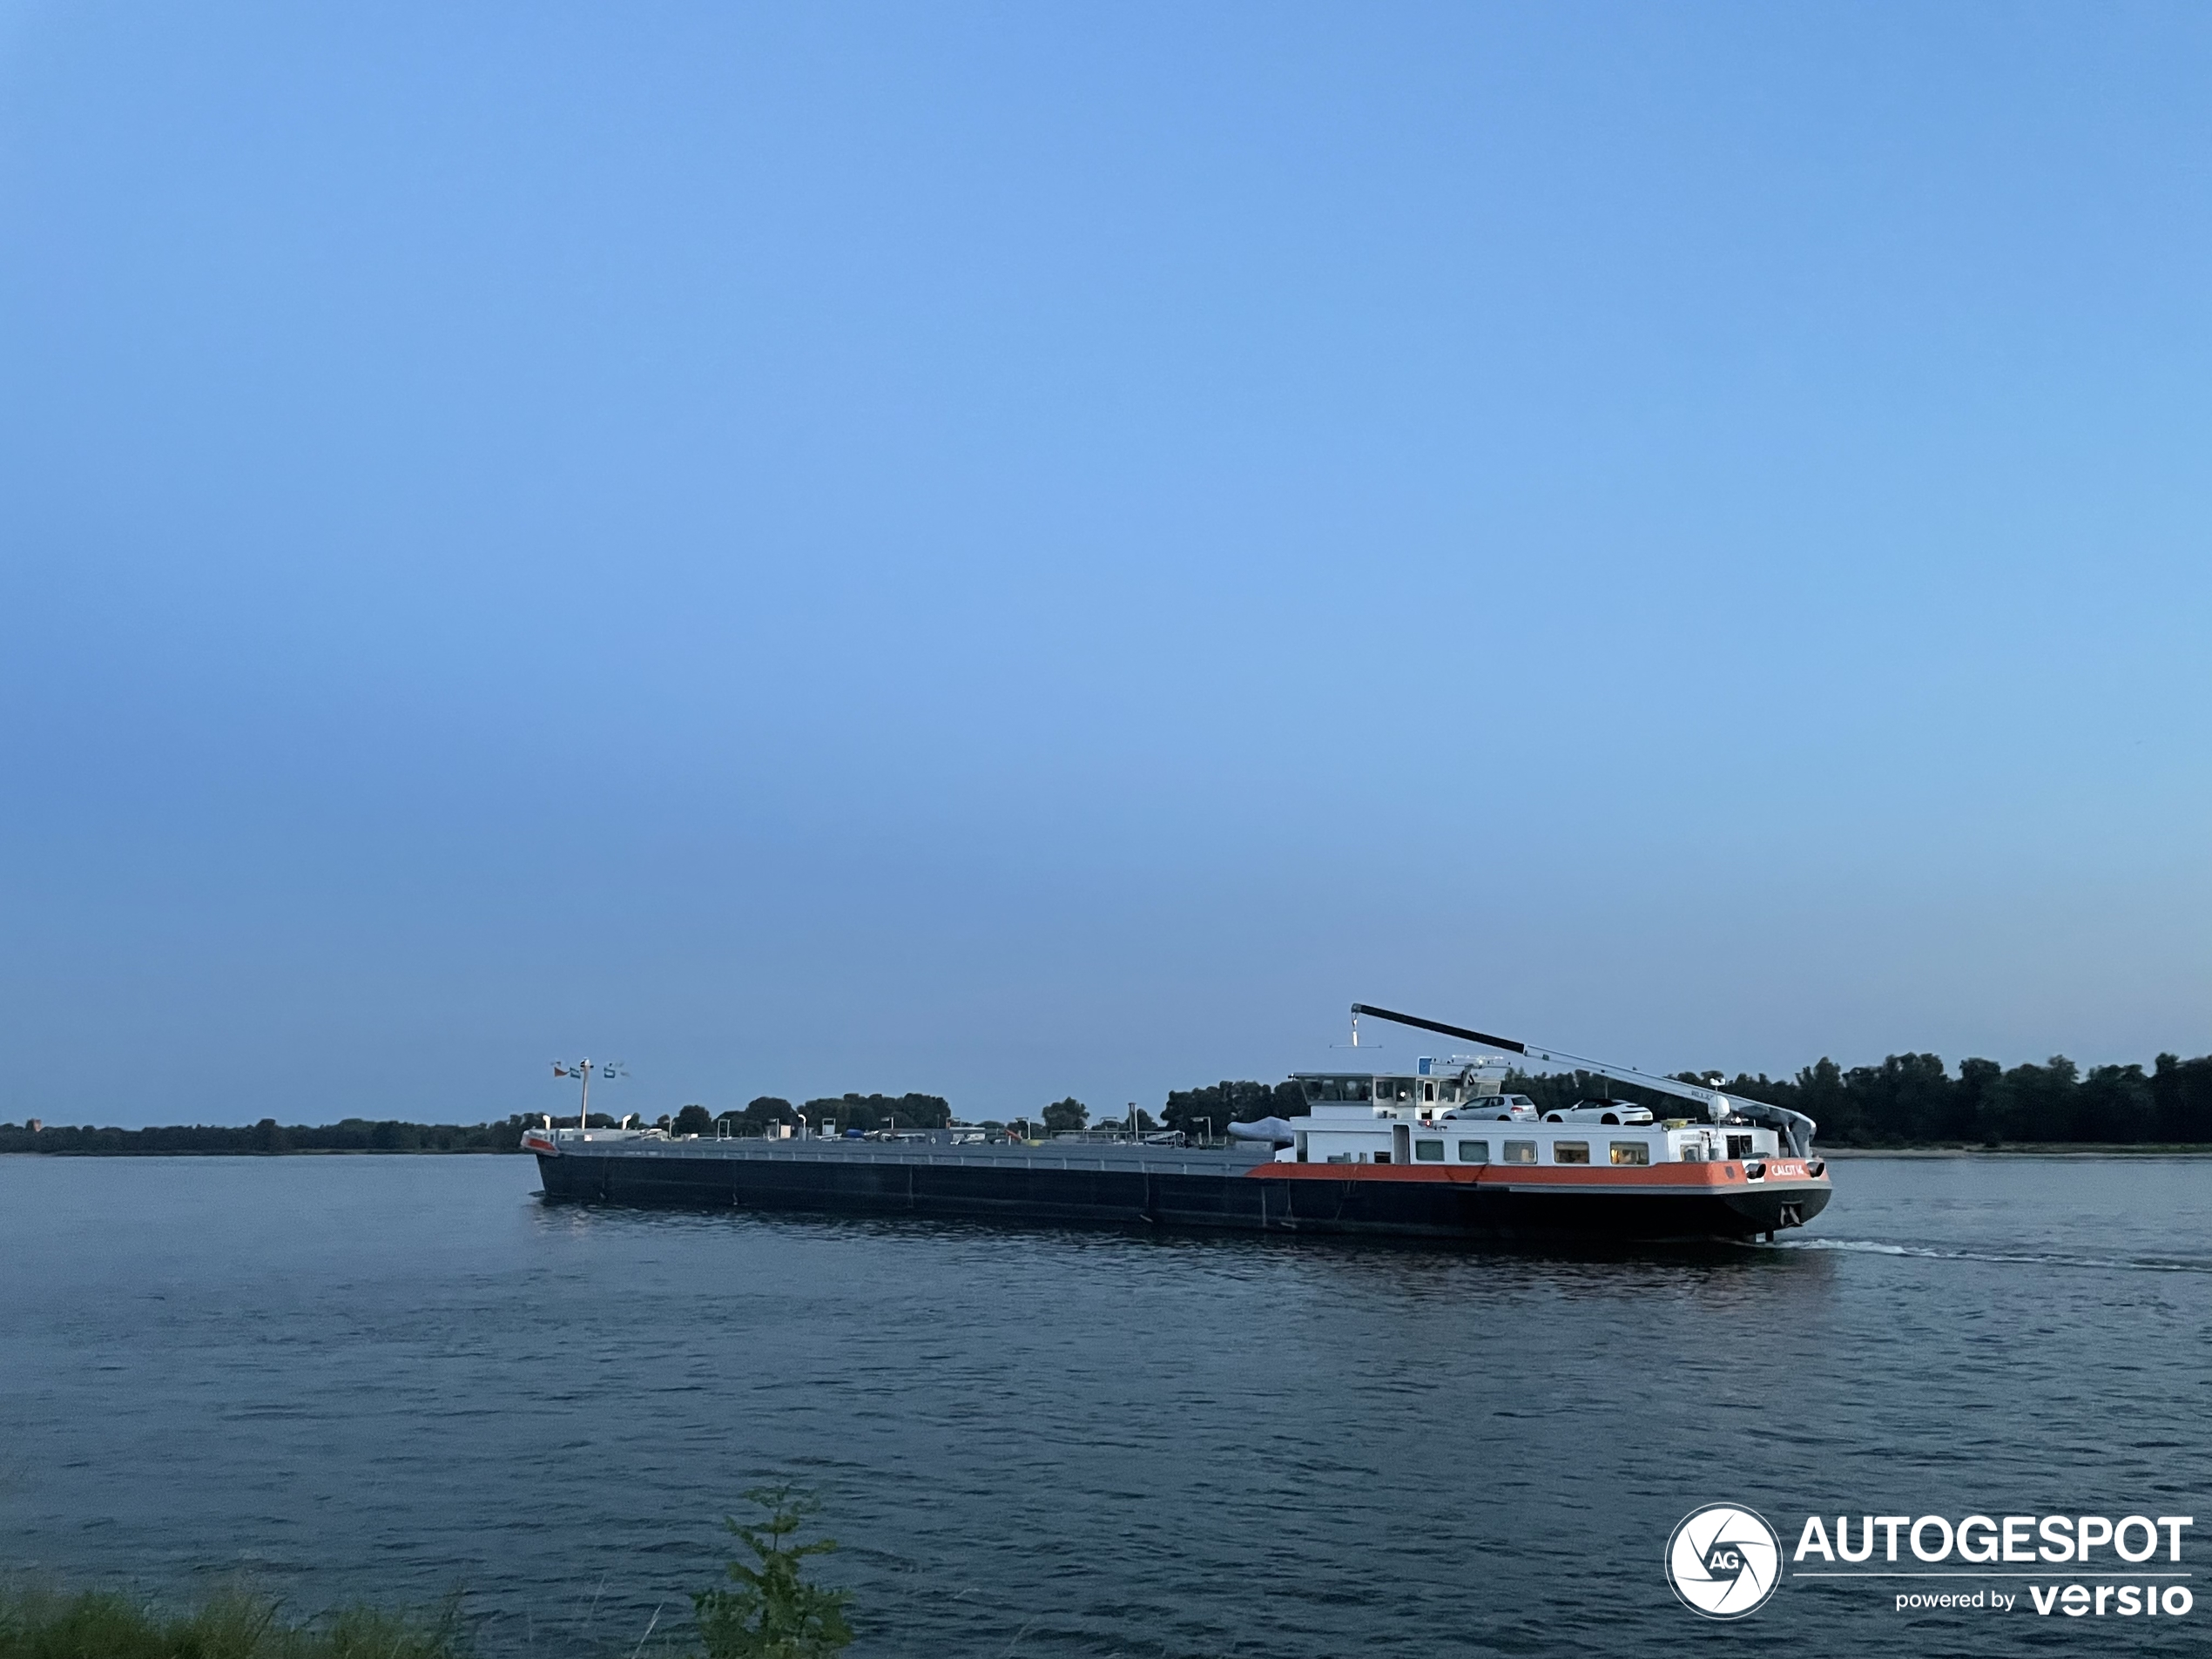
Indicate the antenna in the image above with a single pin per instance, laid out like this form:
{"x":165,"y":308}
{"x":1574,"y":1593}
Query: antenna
{"x":1355,"y":1031}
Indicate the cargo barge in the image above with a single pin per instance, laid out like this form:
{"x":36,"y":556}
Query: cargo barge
{"x":1437,"y":1153}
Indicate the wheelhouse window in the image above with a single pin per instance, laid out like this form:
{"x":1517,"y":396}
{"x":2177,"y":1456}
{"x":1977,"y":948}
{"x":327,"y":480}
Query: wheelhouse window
{"x":1474,"y":1151}
{"x":1521,"y":1152}
{"x":1570,"y":1151}
{"x":1335,"y":1088}
{"x":1631,"y":1152}
{"x":1428,"y":1090}
{"x":1428,"y":1151}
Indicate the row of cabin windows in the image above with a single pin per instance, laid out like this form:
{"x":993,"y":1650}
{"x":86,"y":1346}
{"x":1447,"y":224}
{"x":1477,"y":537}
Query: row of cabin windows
{"x":1623,"y":1152}
{"x":1407,"y":1089}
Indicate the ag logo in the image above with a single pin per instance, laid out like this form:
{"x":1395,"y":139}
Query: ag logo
{"x":1724,"y":1560}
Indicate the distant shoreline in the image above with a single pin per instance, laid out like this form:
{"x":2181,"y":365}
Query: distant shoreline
{"x":250,"y":1152}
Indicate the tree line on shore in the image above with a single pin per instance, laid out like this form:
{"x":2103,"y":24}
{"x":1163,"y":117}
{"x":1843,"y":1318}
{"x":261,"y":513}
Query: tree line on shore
{"x":836,"y":1112}
{"x":1913,"y":1099}
{"x":830,"y":1114}
{"x":350,"y":1134}
{"x":1908,"y":1099}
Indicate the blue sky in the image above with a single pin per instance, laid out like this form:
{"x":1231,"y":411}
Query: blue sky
{"x":1012,"y":551}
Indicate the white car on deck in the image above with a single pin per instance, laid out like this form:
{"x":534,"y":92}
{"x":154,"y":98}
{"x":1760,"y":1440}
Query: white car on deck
{"x":1600,"y":1111}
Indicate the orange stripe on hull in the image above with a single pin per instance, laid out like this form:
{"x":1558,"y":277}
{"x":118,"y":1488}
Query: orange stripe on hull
{"x":1626,"y":1177}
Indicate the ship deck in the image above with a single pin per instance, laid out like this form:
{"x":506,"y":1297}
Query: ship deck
{"x":1109,"y":1157}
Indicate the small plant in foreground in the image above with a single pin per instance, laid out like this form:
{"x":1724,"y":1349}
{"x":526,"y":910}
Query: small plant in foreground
{"x":774,"y":1613}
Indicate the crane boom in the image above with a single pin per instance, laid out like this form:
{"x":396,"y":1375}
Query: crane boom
{"x":1795,"y":1127}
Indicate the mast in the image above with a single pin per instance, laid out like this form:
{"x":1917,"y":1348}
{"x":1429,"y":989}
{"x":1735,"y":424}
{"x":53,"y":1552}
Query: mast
{"x":581,"y":1069}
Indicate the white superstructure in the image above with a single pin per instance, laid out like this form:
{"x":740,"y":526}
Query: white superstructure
{"x":1458,"y":1113}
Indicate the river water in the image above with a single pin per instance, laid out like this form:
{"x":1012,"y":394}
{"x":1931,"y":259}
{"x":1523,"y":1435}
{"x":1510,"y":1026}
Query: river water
{"x":390,"y":1376}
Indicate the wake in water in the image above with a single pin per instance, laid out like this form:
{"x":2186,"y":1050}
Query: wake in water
{"x":2107,"y":1264}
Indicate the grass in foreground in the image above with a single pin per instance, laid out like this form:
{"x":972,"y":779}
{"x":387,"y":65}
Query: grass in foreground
{"x":100,"y":1624}
{"x":771,"y":1610}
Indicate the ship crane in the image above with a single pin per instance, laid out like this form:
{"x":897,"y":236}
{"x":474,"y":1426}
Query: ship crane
{"x":1795,"y":1128}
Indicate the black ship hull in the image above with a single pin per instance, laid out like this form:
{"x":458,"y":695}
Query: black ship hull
{"x":1179,"y":1193}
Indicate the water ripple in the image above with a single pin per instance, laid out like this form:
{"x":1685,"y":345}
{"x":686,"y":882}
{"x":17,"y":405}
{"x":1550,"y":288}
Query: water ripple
{"x":388,"y":1377}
